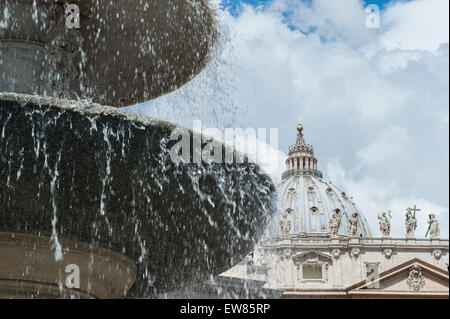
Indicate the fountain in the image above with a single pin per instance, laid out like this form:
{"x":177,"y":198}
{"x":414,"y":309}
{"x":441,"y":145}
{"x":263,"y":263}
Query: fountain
{"x":89,"y":186}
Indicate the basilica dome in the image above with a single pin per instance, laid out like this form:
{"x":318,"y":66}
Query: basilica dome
{"x":306,"y":202}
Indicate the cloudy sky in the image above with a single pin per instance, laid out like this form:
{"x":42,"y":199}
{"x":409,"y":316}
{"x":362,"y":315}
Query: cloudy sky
{"x":374,"y":102}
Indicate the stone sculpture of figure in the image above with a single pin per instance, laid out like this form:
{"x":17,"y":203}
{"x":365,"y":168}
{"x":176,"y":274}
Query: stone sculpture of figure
{"x":259,"y":254}
{"x":250,"y":259}
{"x":411,"y":223}
{"x":385,"y":225}
{"x":286,"y":223}
{"x":334,"y":222}
{"x":353,"y":224}
{"x":434,"y":227}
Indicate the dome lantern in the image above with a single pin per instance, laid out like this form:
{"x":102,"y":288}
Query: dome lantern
{"x":301,"y":159}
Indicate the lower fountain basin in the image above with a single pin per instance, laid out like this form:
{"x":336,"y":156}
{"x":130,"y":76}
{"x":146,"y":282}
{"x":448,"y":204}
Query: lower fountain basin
{"x":104,"y":177}
{"x":28,"y":269}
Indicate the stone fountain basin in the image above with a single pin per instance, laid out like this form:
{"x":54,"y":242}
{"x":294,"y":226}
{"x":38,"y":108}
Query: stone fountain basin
{"x":124,"y":52}
{"x":104,"y":177}
{"x":28,"y":269}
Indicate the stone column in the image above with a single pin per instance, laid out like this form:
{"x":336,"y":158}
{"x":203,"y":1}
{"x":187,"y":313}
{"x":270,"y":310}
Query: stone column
{"x":337,"y":268}
{"x":356,"y":264}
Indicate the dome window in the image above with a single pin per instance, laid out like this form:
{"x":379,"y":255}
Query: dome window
{"x":291,"y":192}
{"x":312,"y":266}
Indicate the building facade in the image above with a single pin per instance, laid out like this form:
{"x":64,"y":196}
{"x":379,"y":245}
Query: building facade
{"x":320,"y":246}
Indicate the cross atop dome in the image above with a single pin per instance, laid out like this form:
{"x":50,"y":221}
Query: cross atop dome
{"x":300,"y":139}
{"x":301,"y":159}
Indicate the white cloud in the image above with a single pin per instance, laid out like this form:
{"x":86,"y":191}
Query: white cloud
{"x":393,"y":142}
{"x":374,"y":196}
{"x":377,"y":100}
{"x":416,"y":25}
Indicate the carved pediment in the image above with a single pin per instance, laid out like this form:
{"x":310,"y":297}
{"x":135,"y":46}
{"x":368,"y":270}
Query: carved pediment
{"x":311,"y":256}
{"x":414,"y":278}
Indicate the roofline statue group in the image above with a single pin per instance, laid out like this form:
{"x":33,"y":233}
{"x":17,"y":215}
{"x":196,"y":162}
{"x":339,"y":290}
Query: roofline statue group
{"x":334,"y":223}
{"x":410,"y":224}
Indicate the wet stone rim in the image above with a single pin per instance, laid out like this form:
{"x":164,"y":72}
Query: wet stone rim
{"x":179,"y":223}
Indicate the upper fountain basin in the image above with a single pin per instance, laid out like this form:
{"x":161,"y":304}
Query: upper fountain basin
{"x":124,"y":51}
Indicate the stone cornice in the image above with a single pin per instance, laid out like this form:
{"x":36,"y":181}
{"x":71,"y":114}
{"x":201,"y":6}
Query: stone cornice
{"x":346,"y":242}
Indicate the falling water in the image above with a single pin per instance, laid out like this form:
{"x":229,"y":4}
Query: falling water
{"x":89,"y":173}
{"x":105,"y":177}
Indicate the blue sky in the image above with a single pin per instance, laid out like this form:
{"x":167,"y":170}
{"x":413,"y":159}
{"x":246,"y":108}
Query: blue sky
{"x":233,"y":5}
{"x":374,"y":102}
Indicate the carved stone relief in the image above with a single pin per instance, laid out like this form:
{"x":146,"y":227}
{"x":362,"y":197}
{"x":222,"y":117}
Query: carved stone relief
{"x":415,"y":280}
{"x":387,"y":253}
{"x":336,"y":253}
{"x":287,"y":253}
{"x":437,"y":253}
{"x":355,"y":253}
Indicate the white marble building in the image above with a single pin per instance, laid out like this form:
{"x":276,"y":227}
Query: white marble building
{"x":321,"y":246}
